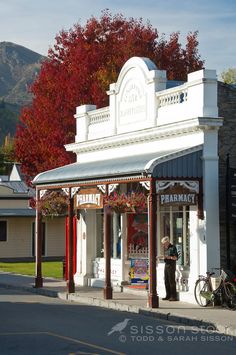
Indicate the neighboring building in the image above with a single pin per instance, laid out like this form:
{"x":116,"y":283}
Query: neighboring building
{"x":17,"y":222}
{"x":164,"y":139}
{"x":227,"y":145}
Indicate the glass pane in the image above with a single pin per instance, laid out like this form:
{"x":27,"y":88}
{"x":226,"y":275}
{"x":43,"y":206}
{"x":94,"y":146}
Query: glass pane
{"x":137,"y":235}
{"x":178,"y":235}
{"x":100,"y":245}
{"x":116,"y":236}
{"x":165,"y":224}
{"x":174,"y":222}
{"x":3,"y":231}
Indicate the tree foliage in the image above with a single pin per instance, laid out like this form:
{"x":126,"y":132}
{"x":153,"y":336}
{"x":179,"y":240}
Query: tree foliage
{"x":8,"y":119}
{"x":79,"y":69}
{"x":229,"y":76}
{"x":7,"y":155}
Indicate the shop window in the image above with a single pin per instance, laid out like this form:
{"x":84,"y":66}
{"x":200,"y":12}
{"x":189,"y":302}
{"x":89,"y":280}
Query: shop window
{"x":99,"y":234}
{"x":115,"y":236}
{"x":174,"y":222}
{"x":3,"y":231}
{"x":137,"y":235}
{"x":43,"y":238}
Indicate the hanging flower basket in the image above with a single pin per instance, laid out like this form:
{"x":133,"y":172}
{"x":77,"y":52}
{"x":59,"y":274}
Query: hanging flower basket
{"x":54,"y":203}
{"x":121,"y":203}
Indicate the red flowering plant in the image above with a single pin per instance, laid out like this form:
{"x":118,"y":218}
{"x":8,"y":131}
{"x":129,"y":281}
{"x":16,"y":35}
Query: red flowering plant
{"x":53,"y":203}
{"x":131,"y":202}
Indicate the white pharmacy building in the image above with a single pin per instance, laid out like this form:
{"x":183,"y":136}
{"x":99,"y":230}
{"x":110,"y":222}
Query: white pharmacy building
{"x":147,"y":167}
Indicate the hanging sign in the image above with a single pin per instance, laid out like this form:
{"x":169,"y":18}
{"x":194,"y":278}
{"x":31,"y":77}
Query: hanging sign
{"x":89,"y":199}
{"x":177,"y":195}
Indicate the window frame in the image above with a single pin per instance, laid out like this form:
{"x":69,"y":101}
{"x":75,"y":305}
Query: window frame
{"x":6,"y":231}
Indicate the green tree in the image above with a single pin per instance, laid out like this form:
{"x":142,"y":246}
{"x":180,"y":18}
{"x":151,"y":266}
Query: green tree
{"x":8,"y":120}
{"x":7,"y":155}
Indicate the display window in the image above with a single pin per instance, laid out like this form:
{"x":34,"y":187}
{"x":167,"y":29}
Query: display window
{"x":173,"y":221}
{"x":137,"y":234}
{"x":115,"y":235}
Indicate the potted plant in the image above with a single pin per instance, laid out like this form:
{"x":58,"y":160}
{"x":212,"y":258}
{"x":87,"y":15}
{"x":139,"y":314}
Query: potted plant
{"x":54,"y":203}
{"x":131,"y":202}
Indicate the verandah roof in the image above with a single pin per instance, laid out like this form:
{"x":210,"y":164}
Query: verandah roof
{"x":185,"y":163}
{"x":17,"y":212}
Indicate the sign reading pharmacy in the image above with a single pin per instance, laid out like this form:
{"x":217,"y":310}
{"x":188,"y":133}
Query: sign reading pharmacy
{"x":89,"y":198}
{"x":186,"y":199}
{"x":177,"y":194}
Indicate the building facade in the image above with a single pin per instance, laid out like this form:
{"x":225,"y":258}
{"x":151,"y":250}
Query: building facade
{"x":158,"y":138}
{"x":226,"y":146}
{"x":17,"y":222}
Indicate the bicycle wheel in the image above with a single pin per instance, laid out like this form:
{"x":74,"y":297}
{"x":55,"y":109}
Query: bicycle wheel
{"x":202,"y":292}
{"x":230,"y":289}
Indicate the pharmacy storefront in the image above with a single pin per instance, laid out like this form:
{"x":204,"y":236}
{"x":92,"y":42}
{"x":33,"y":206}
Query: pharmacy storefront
{"x":147,"y":167}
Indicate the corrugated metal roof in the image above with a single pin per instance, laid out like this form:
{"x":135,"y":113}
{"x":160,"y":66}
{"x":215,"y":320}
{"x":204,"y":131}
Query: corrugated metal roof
{"x":17,"y":212}
{"x":133,"y":165}
{"x":186,"y":166}
{"x":18,"y":187}
{"x":3,"y":178}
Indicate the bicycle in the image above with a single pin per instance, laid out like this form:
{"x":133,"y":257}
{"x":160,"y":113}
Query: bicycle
{"x":224,"y":294}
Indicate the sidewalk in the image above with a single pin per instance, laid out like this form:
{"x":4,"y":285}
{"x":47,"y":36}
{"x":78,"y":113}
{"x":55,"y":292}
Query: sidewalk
{"x":218,"y":318}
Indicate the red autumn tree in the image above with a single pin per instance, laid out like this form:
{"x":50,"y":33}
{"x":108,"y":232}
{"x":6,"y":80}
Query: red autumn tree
{"x":79,"y":69}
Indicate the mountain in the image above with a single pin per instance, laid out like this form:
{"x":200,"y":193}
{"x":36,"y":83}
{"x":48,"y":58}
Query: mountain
{"x":18,"y":68}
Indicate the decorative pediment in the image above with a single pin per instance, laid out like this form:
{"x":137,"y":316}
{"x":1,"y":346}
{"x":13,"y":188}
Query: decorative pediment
{"x":166,"y":184}
{"x":133,"y":96}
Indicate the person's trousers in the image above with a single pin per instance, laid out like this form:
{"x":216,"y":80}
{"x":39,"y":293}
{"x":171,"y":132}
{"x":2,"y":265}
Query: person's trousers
{"x":170,"y":283}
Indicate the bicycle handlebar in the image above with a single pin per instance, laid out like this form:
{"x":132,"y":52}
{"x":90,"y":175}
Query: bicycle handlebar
{"x":210,"y":273}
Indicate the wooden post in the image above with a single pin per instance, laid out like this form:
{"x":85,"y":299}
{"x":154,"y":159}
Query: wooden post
{"x":38,"y":243}
{"x":70,"y":281}
{"x":107,"y":252}
{"x":153,"y":299}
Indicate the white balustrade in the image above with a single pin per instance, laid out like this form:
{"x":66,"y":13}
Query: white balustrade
{"x":195,"y":98}
{"x":172,"y":96}
{"x":99,"y":116}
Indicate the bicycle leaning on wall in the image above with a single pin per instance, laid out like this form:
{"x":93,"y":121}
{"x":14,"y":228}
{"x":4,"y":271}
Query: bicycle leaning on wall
{"x":224,"y":294}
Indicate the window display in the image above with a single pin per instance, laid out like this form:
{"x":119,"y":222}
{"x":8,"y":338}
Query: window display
{"x":174,"y":223}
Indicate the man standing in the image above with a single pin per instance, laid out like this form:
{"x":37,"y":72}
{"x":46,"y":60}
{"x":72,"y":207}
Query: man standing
{"x":170,"y":257}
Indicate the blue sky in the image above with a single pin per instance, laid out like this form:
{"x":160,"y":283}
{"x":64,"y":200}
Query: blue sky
{"x":34,"y":24}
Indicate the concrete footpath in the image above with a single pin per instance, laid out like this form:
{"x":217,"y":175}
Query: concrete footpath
{"x":134,"y":301}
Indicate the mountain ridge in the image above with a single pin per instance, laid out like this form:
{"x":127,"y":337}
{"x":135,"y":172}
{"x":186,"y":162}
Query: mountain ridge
{"x":19,"y":67}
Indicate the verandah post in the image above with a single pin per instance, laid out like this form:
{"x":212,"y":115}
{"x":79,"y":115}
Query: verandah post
{"x":153,"y":299}
{"x":70,"y":281}
{"x":38,"y":243}
{"x":107,"y":251}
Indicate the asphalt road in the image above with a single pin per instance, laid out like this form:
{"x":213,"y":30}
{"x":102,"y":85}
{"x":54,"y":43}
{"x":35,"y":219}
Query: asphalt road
{"x":39,"y":325}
